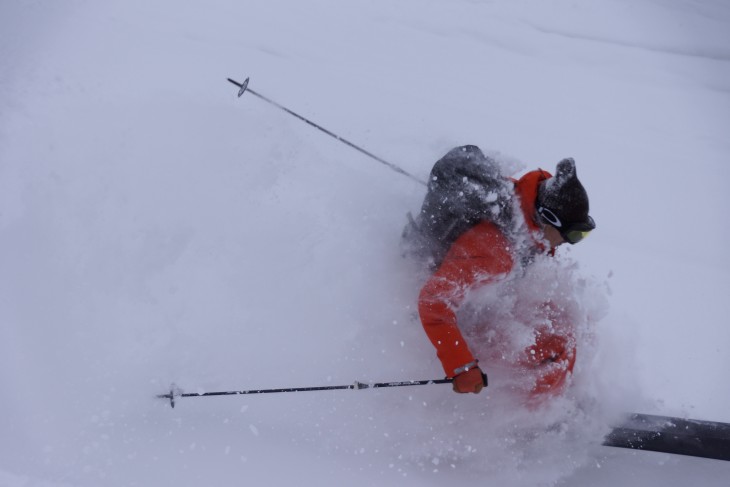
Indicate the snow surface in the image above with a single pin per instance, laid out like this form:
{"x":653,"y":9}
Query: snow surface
{"x":156,"y":229}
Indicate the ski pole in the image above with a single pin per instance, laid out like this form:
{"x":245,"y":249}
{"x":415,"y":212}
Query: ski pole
{"x":176,"y":392}
{"x":243,"y":88}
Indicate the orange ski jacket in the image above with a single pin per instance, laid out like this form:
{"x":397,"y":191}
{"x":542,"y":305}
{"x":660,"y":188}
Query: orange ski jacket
{"x":480,"y":255}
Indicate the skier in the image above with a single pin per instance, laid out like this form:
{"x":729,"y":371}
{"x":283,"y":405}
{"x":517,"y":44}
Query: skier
{"x":555,"y":211}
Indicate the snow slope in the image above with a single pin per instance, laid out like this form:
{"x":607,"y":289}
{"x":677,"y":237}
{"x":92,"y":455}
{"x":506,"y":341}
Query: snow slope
{"x":155,"y":229}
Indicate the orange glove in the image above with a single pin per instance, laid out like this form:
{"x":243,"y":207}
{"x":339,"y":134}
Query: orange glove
{"x":473,"y":380}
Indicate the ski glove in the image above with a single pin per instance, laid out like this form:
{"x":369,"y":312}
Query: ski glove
{"x":552,"y":358}
{"x":473,"y":380}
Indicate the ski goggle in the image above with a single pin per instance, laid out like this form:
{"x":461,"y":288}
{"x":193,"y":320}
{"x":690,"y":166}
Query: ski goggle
{"x":571,"y":233}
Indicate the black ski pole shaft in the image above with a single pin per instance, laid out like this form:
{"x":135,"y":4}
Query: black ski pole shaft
{"x":175,"y":392}
{"x":243,"y":88}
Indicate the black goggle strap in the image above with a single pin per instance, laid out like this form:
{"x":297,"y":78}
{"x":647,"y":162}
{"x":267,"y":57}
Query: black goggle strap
{"x":549,"y":217}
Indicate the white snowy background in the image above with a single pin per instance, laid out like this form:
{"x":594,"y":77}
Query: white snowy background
{"x":156,"y":229}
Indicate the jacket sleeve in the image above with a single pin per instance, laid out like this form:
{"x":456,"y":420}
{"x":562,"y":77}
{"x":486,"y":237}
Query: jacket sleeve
{"x":479,"y":256}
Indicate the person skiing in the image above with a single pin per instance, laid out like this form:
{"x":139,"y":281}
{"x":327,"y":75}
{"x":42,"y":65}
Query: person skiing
{"x":555,"y":211}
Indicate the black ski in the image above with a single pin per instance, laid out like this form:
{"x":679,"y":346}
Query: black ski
{"x":705,"y":439}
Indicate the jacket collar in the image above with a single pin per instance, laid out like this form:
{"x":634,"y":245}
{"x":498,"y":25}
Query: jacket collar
{"x":526,"y":190}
